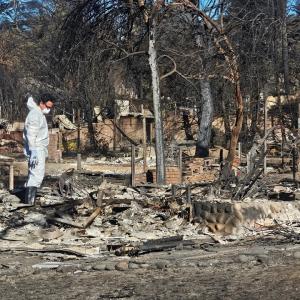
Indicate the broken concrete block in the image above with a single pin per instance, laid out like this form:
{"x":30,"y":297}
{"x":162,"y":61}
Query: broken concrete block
{"x":87,"y":268}
{"x":67,"y":268}
{"x":297,"y":254}
{"x":99,"y":267}
{"x":245,"y":258}
{"x":163,"y":264}
{"x":35,"y":218}
{"x":47,"y":265}
{"x":122,"y":265}
{"x":256,"y":250}
{"x":109,"y":267}
{"x":133,"y":266}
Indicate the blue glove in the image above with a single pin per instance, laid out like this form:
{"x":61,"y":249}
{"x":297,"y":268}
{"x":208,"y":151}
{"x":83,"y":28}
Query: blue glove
{"x":33,"y":161}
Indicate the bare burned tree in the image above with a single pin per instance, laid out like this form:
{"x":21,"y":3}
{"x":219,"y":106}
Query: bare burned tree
{"x":115,"y":31}
{"x":204,"y":56}
{"x":225,"y":48}
{"x":26,"y":52}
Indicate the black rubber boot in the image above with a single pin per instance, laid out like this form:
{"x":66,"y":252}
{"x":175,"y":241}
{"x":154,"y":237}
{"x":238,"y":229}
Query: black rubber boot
{"x":30,"y":195}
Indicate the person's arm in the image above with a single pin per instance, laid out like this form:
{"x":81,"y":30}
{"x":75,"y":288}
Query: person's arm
{"x":32,"y":129}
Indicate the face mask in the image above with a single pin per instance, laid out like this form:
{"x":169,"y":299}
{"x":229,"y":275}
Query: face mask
{"x":46,"y":111}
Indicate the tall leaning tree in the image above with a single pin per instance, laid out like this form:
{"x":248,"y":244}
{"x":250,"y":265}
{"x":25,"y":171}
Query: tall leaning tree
{"x":151,"y":22}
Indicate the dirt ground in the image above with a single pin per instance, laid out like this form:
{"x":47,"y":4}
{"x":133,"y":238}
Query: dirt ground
{"x":52,"y":168}
{"x":240,"y":271}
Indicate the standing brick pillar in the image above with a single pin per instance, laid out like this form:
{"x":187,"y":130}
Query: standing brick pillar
{"x":54,"y":151}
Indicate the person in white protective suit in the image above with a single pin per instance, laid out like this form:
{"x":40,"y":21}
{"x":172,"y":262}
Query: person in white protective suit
{"x":36,"y":140}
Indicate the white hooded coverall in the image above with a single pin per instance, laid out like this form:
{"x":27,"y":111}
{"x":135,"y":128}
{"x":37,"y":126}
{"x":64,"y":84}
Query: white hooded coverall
{"x":35,"y":137}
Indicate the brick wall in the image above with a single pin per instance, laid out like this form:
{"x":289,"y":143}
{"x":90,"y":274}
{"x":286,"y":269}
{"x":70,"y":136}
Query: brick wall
{"x":13,"y":135}
{"x":133,"y":128}
{"x":141,"y":178}
{"x":172,"y":176}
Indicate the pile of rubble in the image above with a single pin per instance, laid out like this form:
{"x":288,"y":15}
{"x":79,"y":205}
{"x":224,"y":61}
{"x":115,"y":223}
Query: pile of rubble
{"x":201,"y":170}
{"x":80,"y":214}
{"x":92,"y":216}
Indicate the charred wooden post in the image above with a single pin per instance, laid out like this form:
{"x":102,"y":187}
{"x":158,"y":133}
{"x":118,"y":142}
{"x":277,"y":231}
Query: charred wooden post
{"x":173,"y":191}
{"x":240,"y":150}
{"x":294,"y":164}
{"x":132,"y":165}
{"x":298,"y":158}
{"x":188,"y":194}
{"x":73,"y":116}
{"x":144,"y":140}
{"x":9,"y":162}
{"x":11,"y":176}
{"x":180,"y":164}
{"x":265,"y":131}
{"x":78,"y":161}
{"x":78,"y":141}
{"x":248,"y":163}
{"x":115,"y":128}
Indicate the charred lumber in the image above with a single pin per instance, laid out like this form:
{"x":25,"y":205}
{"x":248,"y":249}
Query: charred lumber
{"x":164,"y":244}
{"x":250,"y":179}
{"x":253,"y":181}
{"x":83,"y":225}
{"x":257,"y":156}
{"x":92,"y":217}
{"x":46,"y":250}
{"x":66,"y":222}
{"x":176,"y":238}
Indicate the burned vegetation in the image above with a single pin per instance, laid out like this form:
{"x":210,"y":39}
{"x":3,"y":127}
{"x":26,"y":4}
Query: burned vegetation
{"x":173,"y":141}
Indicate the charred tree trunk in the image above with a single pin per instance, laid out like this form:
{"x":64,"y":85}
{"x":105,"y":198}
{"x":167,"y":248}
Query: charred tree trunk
{"x":285,"y":52}
{"x":187,"y":125}
{"x":225,"y":117}
{"x":238,"y":124}
{"x":89,"y":116}
{"x":204,"y":133}
{"x":285,"y":60}
{"x":159,"y":143}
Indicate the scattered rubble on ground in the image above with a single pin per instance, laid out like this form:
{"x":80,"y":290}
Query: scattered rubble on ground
{"x":85,"y":215}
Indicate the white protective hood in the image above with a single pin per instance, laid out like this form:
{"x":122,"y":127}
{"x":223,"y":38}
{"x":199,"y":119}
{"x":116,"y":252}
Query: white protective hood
{"x":31,"y":103}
